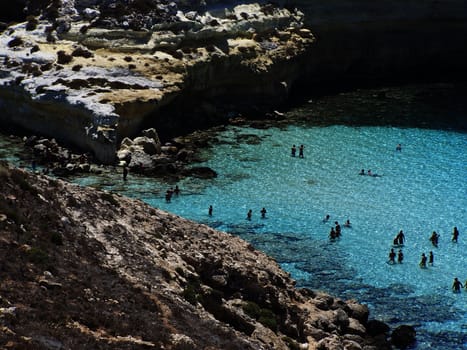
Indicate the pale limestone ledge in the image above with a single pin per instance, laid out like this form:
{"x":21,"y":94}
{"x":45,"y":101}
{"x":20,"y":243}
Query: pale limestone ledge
{"x":95,"y":102}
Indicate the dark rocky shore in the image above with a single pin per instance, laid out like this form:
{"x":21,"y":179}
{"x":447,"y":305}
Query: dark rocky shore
{"x":87,"y":269}
{"x":119,"y":82}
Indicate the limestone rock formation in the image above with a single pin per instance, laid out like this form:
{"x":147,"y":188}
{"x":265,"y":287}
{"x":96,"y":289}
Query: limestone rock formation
{"x":87,"y":269}
{"x":90,"y":73}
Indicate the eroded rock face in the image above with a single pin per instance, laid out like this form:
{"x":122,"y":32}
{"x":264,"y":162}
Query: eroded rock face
{"x":86,"y":268}
{"x":91,"y":73}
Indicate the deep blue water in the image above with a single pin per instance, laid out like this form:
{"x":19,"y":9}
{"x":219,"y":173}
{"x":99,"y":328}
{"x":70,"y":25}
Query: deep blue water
{"x":421,"y":189}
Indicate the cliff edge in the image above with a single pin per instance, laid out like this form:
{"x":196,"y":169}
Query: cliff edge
{"x":91,"y":73}
{"x":85,"y":269}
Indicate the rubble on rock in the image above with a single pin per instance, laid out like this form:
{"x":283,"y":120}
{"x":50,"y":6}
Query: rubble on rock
{"x":83,"y":268}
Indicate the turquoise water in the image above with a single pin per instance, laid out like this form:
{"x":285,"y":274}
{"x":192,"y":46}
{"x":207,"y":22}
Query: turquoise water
{"x":421,"y":189}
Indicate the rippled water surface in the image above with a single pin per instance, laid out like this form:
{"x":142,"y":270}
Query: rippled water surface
{"x":421,"y":189}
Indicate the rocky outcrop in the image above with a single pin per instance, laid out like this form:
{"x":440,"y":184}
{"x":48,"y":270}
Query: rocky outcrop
{"x":83,"y":268}
{"x":91,"y":76}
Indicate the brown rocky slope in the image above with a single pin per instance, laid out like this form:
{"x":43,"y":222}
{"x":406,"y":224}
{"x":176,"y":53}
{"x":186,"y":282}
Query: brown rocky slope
{"x":85,"y":269}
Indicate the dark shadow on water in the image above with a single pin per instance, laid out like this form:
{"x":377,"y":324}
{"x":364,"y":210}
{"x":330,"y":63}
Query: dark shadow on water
{"x":325,"y":269}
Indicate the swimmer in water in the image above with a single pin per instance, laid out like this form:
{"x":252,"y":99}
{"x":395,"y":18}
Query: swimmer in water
{"x":434,"y":239}
{"x":293,"y":150}
{"x":392,"y":256}
{"x":457,"y":285}
{"x":347,"y":223}
{"x":423,"y":261}
{"x":263,"y":213}
{"x":400,"y":256}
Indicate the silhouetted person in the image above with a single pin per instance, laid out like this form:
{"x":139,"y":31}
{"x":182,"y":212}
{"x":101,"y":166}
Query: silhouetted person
{"x":210,"y":210}
{"x":434,"y":239}
{"x":263,"y":213}
{"x":125,"y":172}
{"x":392,"y":256}
{"x":456,"y":285}
{"x":455,"y":234}
{"x":400,"y":256}
{"x":423,"y":261}
{"x":300,"y":151}
{"x":293,"y":151}
{"x":400,"y":237}
{"x":431,"y":258}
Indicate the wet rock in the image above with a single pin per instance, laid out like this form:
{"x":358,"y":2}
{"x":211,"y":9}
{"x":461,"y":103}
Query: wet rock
{"x":358,"y":311}
{"x":403,"y":336}
{"x":201,"y":172}
{"x":375,"y":327}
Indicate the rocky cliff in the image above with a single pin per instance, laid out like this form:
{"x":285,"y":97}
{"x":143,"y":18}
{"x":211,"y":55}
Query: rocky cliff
{"x":91,"y":73}
{"x":85,"y":269}
{"x":90,"y":76}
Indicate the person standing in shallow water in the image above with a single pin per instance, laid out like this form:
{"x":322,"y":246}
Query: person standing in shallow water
{"x":455,"y":234}
{"x":431,"y":258}
{"x":210,"y":210}
{"x":423,"y":261}
{"x":263,"y":213}
{"x":400,"y":256}
{"x":300,"y":151}
{"x":293,"y":151}
{"x":125,"y":172}
{"x":392,"y":256}
{"x":457,"y":285}
{"x":249,"y":214}
{"x":434,"y":239}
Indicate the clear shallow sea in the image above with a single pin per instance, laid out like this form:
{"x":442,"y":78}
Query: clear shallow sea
{"x":421,"y":189}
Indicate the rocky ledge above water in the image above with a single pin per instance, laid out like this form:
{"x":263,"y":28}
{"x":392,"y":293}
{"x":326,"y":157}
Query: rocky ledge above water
{"x":90,"y":73}
{"x":86,"y":269}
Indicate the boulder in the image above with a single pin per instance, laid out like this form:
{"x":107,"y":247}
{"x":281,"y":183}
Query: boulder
{"x":148,"y":145}
{"x":358,"y":311}
{"x":375,"y":327}
{"x":403,"y":336}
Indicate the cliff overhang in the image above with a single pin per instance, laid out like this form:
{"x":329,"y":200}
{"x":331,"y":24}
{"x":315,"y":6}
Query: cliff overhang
{"x":91,"y":85}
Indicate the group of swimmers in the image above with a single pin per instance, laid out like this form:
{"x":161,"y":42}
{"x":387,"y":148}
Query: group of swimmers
{"x":249,"y":214}
{"x":170,"y":192}
{"x":336,"y":231}
{"x":293,"y":151}
{"x":424,"y":260}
